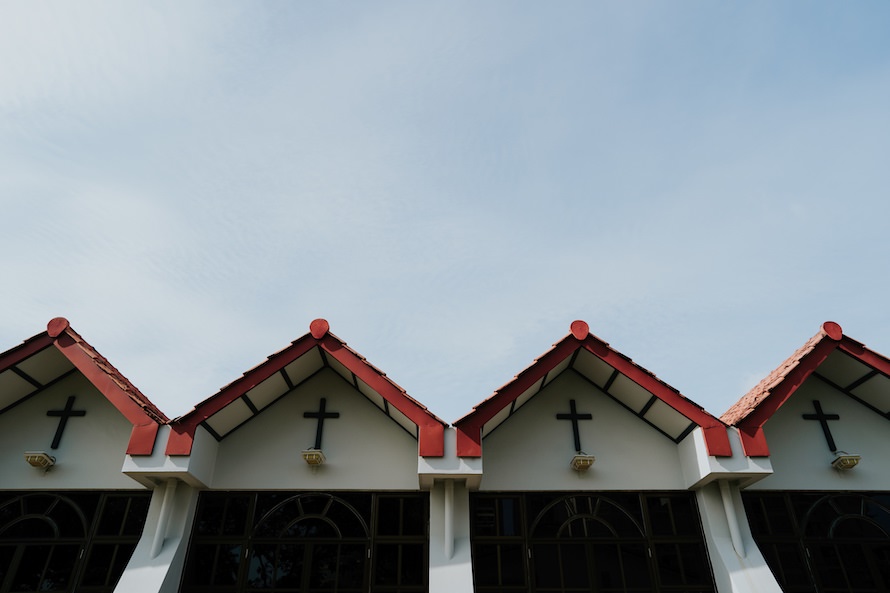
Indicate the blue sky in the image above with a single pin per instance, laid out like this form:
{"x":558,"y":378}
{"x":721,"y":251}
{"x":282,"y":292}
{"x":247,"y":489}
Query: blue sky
{"x":450,"y":184}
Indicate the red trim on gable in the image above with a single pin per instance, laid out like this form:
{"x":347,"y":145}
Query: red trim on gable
{"x":716,"y":437}
{"x":469,"y":428}
{"x":789,"y":378}
{"x":183,"y":429}
{"x":431,"y":430}
{"x":780,"y":393}
{"x":133,"y":405}
{"x":143,"y":424}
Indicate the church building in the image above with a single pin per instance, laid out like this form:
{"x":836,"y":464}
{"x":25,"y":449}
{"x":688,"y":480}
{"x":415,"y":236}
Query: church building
{"x":315,"y":472}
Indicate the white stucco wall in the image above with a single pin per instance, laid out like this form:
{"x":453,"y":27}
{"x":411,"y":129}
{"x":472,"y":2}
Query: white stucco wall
{"x":365,"y":450}
{"x":91,"y":450}
{"x":532,"y":449}
{"x":800,"y":455}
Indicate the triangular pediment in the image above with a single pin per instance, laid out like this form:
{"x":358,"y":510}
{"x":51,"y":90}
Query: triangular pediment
{"x":317,"y":353}
{"x":606,"y":371}
{"x":828,"y":361}
{"x":59,"y":355}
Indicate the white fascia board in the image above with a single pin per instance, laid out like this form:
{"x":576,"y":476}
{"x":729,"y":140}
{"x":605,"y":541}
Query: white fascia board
{"x":699,"y":468}
{"x":195,"y":469}
{"x":449,"y":466}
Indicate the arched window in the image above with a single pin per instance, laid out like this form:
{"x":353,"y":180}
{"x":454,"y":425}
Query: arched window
{"x":823,"y":541}
{"x":309,"y":541}
{"x":70,"y":541}
{"x":560,"y":542}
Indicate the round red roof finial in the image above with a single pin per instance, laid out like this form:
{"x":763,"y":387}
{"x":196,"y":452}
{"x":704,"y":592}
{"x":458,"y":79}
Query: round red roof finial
{"x":56,"y":326}
{"x":580,"y":329}
{"x":833,"y":330}
{"x":319,"y":328}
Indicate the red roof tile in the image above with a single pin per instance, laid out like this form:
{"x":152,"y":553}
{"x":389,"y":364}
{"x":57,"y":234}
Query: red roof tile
{"x":757,"y":406}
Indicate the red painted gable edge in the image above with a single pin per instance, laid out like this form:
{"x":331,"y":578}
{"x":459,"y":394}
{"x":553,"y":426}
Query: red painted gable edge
{"x":469,"y":428}
{"x":145,"y":427}
{"x":60,"y":335}
{"x":431,"y":430}
{"x":751,"y":426}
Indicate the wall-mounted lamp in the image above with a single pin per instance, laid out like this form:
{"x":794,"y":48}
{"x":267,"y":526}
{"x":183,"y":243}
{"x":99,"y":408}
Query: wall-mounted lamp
{"x":843,"y":460}
{"x":313,"y":457}
{"x":40,"y":459}
{"x":582,"y":461}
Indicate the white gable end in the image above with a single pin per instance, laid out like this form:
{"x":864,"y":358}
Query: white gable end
{"x":532,"y":449}
{"x":364,"y":449}
{"x":91,"y":447}
{"x":799,"y":450}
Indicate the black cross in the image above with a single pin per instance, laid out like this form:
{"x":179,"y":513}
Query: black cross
{"x":63,"y":419}
{"x":574,"y":416}
{"x":823,"y":420}
{"x":321,"y":415}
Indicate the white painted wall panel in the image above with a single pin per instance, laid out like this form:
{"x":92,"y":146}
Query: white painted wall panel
{"x":800,"y":456}
{"x":532,"y":449}
{"x":91,"y":451}
{"x":365,"y":450}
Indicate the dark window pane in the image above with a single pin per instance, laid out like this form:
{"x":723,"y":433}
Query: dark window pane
{"x":134,"y":522}
{"x":830,"y":570}
{"x":6,"y":555}
{"x":573,"y":563}
{"x":289,"y":570}
{"x":854,"y":559}
{"x":694,"y":560}
{"x":484,"y":517}
{"x":386,"y":566}
{"x":348,"y":520}
{"x":68,"y":518}
{"x":228,"y":561}
{"x":31,"y":528}
{"x":414,"y":516}
{"x":413,"y":564}
{"x":661,"y":517}
{"x":635,"y":562}
{"x":546,"y":559}
{"x":202,"y":559}
{"x":29,"y":572}
{"x":856,"y":528}
{"x":113,"y":512}
{"x":323,"y":566}
{"x":352,"y":565}
{"x":99,"y":561}
{"x":311,"y":527}
{"x":791,"y":564}
{"x":486,"y":564}
{"x":389,"y":516}
{"x":670,"y":566}
{"x":512,"y":565}
{"x":261,"y":567}
{"x":60,"y":566}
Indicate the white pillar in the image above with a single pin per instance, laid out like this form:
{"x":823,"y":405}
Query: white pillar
{"x":164,"y":518}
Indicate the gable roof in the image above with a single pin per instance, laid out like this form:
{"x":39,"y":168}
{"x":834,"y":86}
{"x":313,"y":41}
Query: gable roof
{"x":47,"y":358}
{"x":831,"y":357}
{"x":285,"y":370}
{"x":650,"y":399}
